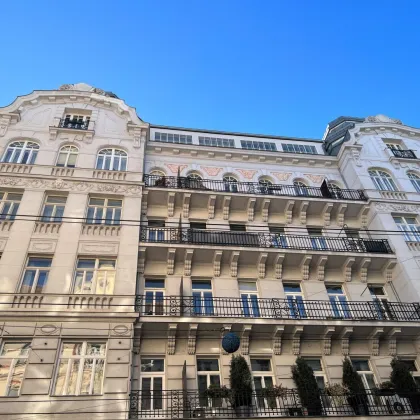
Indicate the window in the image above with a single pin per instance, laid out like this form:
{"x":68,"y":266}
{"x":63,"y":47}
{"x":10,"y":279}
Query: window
{"x":156,"y":234}
{"x":53,"y":209}
{"x":194,"y":180}
{"x":258,"y":145}
{"x":13,"y":360}
{"x":363,"y":369}
{"x":380,"y":300}
{"x":67,"y":156}
{"x":202,"y":297}
{"x":394,"y":146}
{"x":299,"y":148}
{"x":80,"y":122}
{"x":80,"y":368}
{"x":412,"y":366}
{"x":320,"y":377}
{"x":382,"y":180}
{"x":338,"y":301}
{"x":112,"y":160}
{"x":95,"y":276}
{"x":415,"y":180}
{"x":317,"y":239}
{"x":9,"y":205}
{"x":279,"y":236}
{"x":104,"y":211}
{"x":21,"y":152}
{"x":173,"y":138}
{"x":263,"y":378}
{"x":236,"y":227}
{"x":198,"y":225}
{"x":409,"y":226}
{"x":249,"y":297}
{"x":36,"y":275}
{"x":294,"y":296}
{"x":230,"y":183}
{"x":265,"y":181}
{"x":215,"y":142}
{"x":154,"y":297}
{"x":300,"y":188}
{"x":208,"y":373}
{"x":152,"y":374}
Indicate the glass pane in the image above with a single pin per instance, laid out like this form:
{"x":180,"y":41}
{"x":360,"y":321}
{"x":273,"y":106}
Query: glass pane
{"x":17,"y":377}
{"x":215,"y":380}
{"x":87,"y":285}
{"x":56,"y":199}
{"x":74,"y":369}
{"x":86,"y":264}
{"x":260,"y":365}
{"x":42,"y":281}
{"x":268,"y":381}
{"x":202,"y":383}
{"x":59,"y":211}
{"x":95,"y":349}
{"x":28,"y":281}
{"x":258,"y":383}
{"x":334,"y":289}
{"x":72,"y":160}
{"x":152,"y":365}
{"x":201,"y":284}
{"x":99,"y":213}
{"x":117,"y":216}
{"x":157,"y":393}
{"x":4,"y":373}
{"x":320,"y":381}
{"x":109,"y":216}
{"x":290,"y":288}
{"x":247,"y":286}
{"x":61,"y":377}
{"x":361,"y":365}
{"x":155,"y":284}
{"x":110,"y":282}
{"x":97,"y":202}
{"x":15,"y":349}
{"x":146,"y":400}
{"x":114,"y":203}
{"x":71,"y":349}
{"x":370,"y":380}
{"x":100,"y":282}
{"x":106,"y":264}
{"x":39,"y":262}
{"x":87,"y":376}
{"x":207,"y":365}
{"x":315,"y":364}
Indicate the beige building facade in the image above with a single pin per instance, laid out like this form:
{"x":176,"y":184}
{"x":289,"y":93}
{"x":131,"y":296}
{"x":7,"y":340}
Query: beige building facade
{"x":129,"y":250}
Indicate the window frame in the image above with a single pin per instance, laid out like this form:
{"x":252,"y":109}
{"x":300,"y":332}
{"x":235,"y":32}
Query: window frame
{"x":340,"y":308}
{"x":67,"y":154}
{"x":206,"y":303}
{"x":37,"y":270}
{"x":295,"y":300}
{"x":249,"y":299}
{"x":55,"y":206}
{"x":82,"y":358}
{"x":381,"y":178}
{"x":104,"y":220}
{"x":414,"y":179}
{"x":155,"y":302}
{"x":23,"y":148}
{"x":13,"y":207}
{"x":411,"y":232}
{"x":173,"y":138}
{"x":121,"y":158}
{"x":152,"y":376}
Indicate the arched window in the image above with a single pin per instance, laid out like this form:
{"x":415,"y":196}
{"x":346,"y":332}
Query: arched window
{"x":157,"y":172}
{"x":334,"y":186}
{"x":194,"y":176}
{"x":415,"y":180}
{"x":230,"y":183}
{"x":21,"y":152}
{"x":112,"y":160}
{"x":265,"y":181}
{"x":67,"y":156}
{"x":156,"y":178}
{"x":335,"y":189}
{"x":300,"y":188}
{"x":194,"y":180}
{"x":382,"y":180}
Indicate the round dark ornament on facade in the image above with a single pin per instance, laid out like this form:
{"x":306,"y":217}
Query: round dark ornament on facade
{"x":231,"y":342}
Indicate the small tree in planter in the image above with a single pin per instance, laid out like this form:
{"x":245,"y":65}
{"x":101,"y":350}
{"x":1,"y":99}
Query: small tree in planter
{"x":241,"y":386}
{"x":404,"y":383}
{"x":217,"y":394}
{"x":307,"y":387}
{"x":357,"y":398}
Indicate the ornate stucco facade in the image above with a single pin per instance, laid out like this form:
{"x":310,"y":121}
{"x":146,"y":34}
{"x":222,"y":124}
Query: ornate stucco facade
{"x":129,"y":250}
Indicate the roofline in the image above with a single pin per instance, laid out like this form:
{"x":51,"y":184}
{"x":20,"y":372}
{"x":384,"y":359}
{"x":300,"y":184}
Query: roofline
{"x":234,"y":133}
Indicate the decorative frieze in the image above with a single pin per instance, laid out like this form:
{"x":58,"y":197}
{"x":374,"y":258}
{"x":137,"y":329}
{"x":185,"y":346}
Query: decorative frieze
{"x":211,"y":170}
{"x":282,"y":176}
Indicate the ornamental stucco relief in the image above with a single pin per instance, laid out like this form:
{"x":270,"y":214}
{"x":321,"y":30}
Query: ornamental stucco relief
{"x":174,"y":168}
{"x":282,"y":176}
{"x":211,"y":170}
{"x":247,"y":174}
{"x":388,"y":207}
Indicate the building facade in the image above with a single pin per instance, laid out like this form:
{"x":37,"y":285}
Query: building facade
{"x":129,"y":250}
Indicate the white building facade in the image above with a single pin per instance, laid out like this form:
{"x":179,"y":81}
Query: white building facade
{"x":129,"y":250}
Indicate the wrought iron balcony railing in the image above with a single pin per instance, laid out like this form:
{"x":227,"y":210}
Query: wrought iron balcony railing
{"x":263,"y":240}
{"x":276,"y":308}
{"x":76,"y":124}
{"x":406,"y":154}
{"x":267,"y":402}
{"x":253,"y":188}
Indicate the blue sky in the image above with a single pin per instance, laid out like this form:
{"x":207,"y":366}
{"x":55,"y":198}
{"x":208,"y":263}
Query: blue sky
{"x":275,"y":67}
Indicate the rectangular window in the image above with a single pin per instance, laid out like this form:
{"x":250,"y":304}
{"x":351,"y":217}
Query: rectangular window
{"x":36,"y":275}
{"x":363,"y":369}
{"x":294,"y":296}
{"x":258,"y":145}
{"x":80,"y":368}
{"x":338,"y":301}
{"x":173,"y":138}
{"x":154,"y":297}
{"x":104,"y":211}
{"x":320,"y":377}
{"x":156,"y":234}
{"x":13,"y":360}
{"x":263,"y":378}
{"x":152,"y":374}
{"x":215,"y":142}
{"x":208,"y":374}
{"x":317,"y":240}
{"x":9,"y":205}
{"x":53,"y":209}
{"x":380,"y":299}
{"x":249,"y":297}
{"x":95,"y":276}
{"x":394,"y":146}
{"x":202,"y":297}
{"x":409,"y":226}
{"x":198,"y":225}
{"x":299,"y":148}
{"x":279,"y":237}
{"x":76,"y":121}
{"x":237,"y":227}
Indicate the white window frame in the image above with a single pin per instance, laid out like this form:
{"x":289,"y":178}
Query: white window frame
{"x":121,"y":157}
{"x":81,"y":359}
{"x":103,"y":221}
{"x":395,"y":146}
{"x":344,"y":313}
{"x":379,"y":301}
{"x":415,"y":180}
{"x":208,"y":374}
{"x":13,"y":362}
{"x":67,"y":150}
{"x":14,"y":204}
{"x":362,"y":373}
{"x":263,"y":375}
{"x":411,"y":231}
{"x":96,"y":270}
{"x":19,"y":148}
{"x":53,"y":218}
{"x":249,"y":295}
{"x":230,"y":183}
{"x":155,"y":309}
{"x":152,"y":376}
{"x":294,"y":295}
{"x":382,"y":180}
{"x":37,"y":270}
{"x":203,"y":302}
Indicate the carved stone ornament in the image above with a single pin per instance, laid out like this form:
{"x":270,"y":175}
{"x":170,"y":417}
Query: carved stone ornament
{"x":282,"y":176}
{"x":317,"y":179}
{"x":380,"y":118}
{"x":87,"y":88}
{"x":388,"y":207}
{"x":211,"y":170}
{"x":60,"y":184}
{"x":174,"y":168}
{"x":247,"y":174}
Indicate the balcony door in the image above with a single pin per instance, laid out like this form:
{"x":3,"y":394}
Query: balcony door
{"x":156,"y":230}
{"x":338,"y":301}
{"x":263,"y":377}
{"x":316,"y":238}
{"x":294,"y":296}
{"x":362,"y":367}
{"x":249,"y":298}
{"x":208,"y":374}
{"x":380,"y":300}
{"x":202,"y":297}
{"x":154,"y":291}
{"x":152,"y":374}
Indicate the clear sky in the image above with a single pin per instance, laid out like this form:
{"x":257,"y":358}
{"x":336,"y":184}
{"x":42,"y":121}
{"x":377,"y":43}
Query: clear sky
{"x":284,"y":67}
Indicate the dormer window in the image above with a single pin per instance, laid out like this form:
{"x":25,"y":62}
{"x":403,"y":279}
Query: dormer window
{"x":76,"y":121}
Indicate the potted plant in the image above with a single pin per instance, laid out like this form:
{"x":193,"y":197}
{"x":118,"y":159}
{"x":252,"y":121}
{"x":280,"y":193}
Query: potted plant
{"x":404,"y":384}
{"x":307,"y":387}
{"x":357,"y":397}
{"x":385,"y":389}
{"x":271,"y":394}
{"x":217,"y":394}
{"x":338,"y":393}
{"x":241,"y":386}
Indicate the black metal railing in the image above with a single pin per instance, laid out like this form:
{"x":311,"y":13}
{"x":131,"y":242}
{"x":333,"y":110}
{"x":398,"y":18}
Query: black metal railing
{"x":253,"y":188}
{"x":407,"y":154}
{"x":276,"y":308}
{"x":268,"y":402}
{"x":76,"y":124}
{"x":263,"y":240}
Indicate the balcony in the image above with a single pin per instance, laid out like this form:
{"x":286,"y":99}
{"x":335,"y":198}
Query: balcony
{"x":177,"y":404}
{"x":405,"y":154}
{"x":263,"y":240}
{"x":74,"y":124}
{"x":277,"y":308}
{"x":156,"y":181}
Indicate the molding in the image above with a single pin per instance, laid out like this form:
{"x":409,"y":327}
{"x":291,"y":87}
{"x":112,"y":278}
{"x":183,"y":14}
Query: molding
{"x":303,"y":209}
{"x":328,"y":332}
{"x":347,"y":268}
{"x":246,"y":331}
{"x":110,"y":248}
{"x":226,"y":206}
{"x":374,"y":340}
{"x":45,"y":245}
{"x":251,"y":209}
{"x":171,"y":204}
{"x":345,"y":340}
{"x":7,"y":119}
{"x":192,"y":338}
{"x":326,"y":213}
{"x":186,"y":205}
{"x":288,"y":212}
{"x":170,"y":349}
{"x":234,"y":263}
{"x":171,"y":261}
{"x":261,"y":264}
{"x":277,"y":334}
{"x":304,"y":266}
{"x":188,"y":262}
{"x":278,"y":265}
{"x":217,"y":259}
{"x":392,"y":341}
{"x":322,"y":261}
{"x":264,"y":209}
{"x":389,"y":207}
{"x":297,"y":332}
{"x":363,"y":216}
{"x":211,"y":206}
{"x":364,"y":265}
{"x":341,"y":214}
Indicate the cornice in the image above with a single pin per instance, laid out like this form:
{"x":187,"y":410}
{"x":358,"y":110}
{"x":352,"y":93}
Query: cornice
{"x":380,"y":128}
